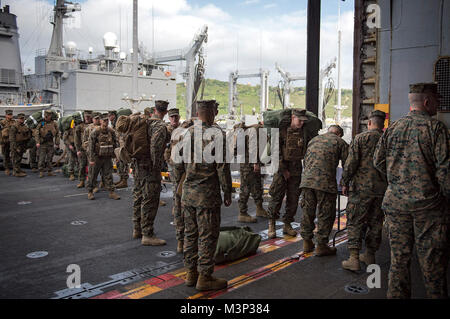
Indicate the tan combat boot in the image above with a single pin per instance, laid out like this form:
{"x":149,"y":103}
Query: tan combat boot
{"x":246,"y":218}
{"x":191,"y":278}
{"x":162,"y":203}
{"x":208,"y":282}
{"x":72,"y":177}
{"x":81,"y":184}
{"x":50,"y":173}
{"x":137,"y":234}
{"x":7,"y":172}
{"x":180,"y":246}
{"x":91,"y":196}
{"x":101,"y":185}
{"x":368,"y":257}
{"x":114,"y":196}
{"x":353,"y":262}
{"x":324,"y":250}
{"x":288,"y":230}
{"x":308,"y":246}
{"x":122,"y":184}
{"x":41,"y":174}
{"x":95,"y":190}
{"x":34,"y":170}
{"x":152,"y":241}
{"x":272,"y":232}
{"x":260,"y":211}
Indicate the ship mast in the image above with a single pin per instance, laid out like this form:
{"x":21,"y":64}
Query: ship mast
{"x":61,"y":9}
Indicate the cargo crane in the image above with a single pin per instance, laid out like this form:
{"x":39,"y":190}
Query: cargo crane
{"x":233,"y":94}
{"x":285,"y":85}
{"x":194,"y":73}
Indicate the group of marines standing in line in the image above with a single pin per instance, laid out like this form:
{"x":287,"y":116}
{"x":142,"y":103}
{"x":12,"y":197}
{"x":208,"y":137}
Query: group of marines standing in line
{"x":400,"y":176}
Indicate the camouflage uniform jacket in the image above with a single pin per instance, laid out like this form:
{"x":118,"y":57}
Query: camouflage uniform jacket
{"x":359,"y":173}
{"x":94,"y":141}
{"x":41,"y":131}
{"x":78,"y":136}
{"x":203,"y":180}
{"x":19,"y":133}
{"x":157,"y":133}
{"x":5,"y":126}
{"x":170,"y":143}
{"x":68,"y":137}
{"x":414,"y":155}
{"x":321,"y":160}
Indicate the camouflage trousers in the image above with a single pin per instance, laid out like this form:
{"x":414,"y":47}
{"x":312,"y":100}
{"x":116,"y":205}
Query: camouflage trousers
{"x":428,"y":231}
{"x":122,"y":169}
{"x":16,"y":155}
{"x":73,"y":161}
{"x":46,"y":152}
{"x":146,"y":195}
{"x":201,"y":233}
{"x":325,"y":203}
{"x":364,"y":219}
{"x":280,"y":188}
{"x":6,"y":151}
{"x":251,"y":183}
{"x":82,"y":163}
{"x":103,"y":165}
{"x":176,"y":210}
{"x":33,"y":155}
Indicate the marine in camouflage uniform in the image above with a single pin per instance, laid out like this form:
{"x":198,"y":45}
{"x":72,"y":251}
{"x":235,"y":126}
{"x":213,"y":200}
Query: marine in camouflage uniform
{"x":293,"y":147}
{"x":46,"y":135}
{"x":79,"y":147}
{"x":85,"y":138}
{"x":366,"y":186}
{"x":122,"y":167}
{"x":414,"y":154}
{"x":69,"y":142}
{"x":250,"y":176}
{"x":19,"y":136}
{"x":102,"y":142}
{"x":174,"y":116}
{"x":319,"y":188}
{"x":201,"y":200}
{"x":147,"y":183}
{"x":4,"y":140}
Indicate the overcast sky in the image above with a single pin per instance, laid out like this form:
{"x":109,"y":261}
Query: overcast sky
{"x":243,"y":34}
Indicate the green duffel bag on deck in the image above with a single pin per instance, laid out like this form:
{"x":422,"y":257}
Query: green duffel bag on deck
{"x":235,"y":243}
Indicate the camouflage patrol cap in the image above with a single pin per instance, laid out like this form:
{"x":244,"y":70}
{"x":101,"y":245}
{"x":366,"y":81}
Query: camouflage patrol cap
{"x":88,"y":112}
{"x":8,"y":112}
{"x":378,"y":113}
{"x":301,"y":114}
{"x":423,"y":88}
{"x":104,"y":116}
{"x":174,"y":111}
{"x":96,"y":115}
{"x":206,"y":105}
{"x":48,"y":112}
{"x":112,"y":112}
{"x":20,"y":116}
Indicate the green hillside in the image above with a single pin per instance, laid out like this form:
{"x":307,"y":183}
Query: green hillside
{"x":249,"y":97}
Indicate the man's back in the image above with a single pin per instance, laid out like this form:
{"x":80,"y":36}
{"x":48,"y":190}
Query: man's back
{"x":359,"y":172}
{"x":321,"y":160}
{"x":414,"y":154}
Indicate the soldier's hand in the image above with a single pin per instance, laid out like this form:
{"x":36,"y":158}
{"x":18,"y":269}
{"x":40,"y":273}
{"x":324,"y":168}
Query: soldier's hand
{"x":71,"y":147}
{"x":92,"y":163}
{"x":227,"y":199}
{"x":79,"y":154}
{"x":345,"y":190}
{"x":286,"y":174}
{"x":256,"y":168}
{"x":38,"y":145}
